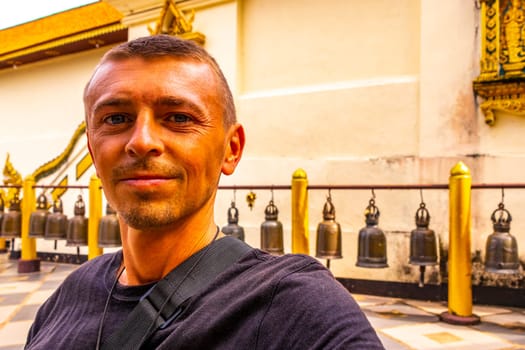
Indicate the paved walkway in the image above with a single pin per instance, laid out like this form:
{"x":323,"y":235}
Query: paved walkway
{"x":401,"y":324}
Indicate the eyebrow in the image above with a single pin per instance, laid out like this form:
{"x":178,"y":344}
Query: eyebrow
{"x":172,"y":101}
{"x":165,"y":101}
{"x":112,"y":102}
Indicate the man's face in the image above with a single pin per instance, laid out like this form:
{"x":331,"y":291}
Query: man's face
{"x":156,"y":135}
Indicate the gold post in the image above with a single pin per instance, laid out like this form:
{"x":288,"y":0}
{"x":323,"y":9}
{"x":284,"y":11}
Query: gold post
{"x":95,"y":213}
{"x":28,"y":261}
{"x":3,"y":248}
{"x":300,"y":233}
{"x":459,"y":259}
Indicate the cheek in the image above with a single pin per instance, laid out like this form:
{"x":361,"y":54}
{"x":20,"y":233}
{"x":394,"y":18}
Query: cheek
{"x":102,"y":154}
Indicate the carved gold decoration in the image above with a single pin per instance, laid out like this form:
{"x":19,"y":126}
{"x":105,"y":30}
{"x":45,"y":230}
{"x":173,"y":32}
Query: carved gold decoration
{"x":501,"y":96}
{"x":489,"y":64}
{"x":83,"y":165}
{"x":502,"y":78}
{"x":54,"y":164}
{"x":11,"y":178}
{"x":173,"y":22}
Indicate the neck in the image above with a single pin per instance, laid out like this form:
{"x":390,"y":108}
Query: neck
{"x":151,"y":255}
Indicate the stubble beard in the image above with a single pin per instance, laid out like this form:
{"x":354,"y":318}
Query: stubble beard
{"x":145,"y":215}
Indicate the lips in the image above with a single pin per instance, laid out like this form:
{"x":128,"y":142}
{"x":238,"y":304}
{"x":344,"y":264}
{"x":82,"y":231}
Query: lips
{"x":145,"y":172}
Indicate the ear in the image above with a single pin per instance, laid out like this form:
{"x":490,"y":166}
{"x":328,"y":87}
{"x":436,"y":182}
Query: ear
{"x":234,"y":148}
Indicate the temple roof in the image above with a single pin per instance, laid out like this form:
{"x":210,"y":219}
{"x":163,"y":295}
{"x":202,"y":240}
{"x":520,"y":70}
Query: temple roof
{"x":75,"y":30}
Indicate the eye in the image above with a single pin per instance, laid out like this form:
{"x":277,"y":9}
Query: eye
{"x":179,"y":118}
{"x":116,"y":119}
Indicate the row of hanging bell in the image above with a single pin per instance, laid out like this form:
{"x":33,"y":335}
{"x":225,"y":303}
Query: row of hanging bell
{"x":109,"y":229}
{"x":56,"y":226}
{"x":371,"y":246}
{"x":232,"y":228}
{"x":329,"y":240}
{"x":272,"y":231}
{"x":501,"y":250}
{"x":423,"y":243}
{"x":12,"y":220}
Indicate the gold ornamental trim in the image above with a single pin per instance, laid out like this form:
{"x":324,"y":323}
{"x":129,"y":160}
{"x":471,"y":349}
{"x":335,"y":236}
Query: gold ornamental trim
{"x":64,"y":41}
{"x":54,"y":164}
{"x":173,"y":21}
{"x":501,"y":82}
{"x":83,"y":165}
{"x":505,"y":96}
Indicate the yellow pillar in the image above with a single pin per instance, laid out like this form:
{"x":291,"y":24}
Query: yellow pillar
{"x":459,"y":252}
{"x":300,"y":233}
{"x":28,"y":261}
{"x":95,"y":213}
{"x":3,"y":248}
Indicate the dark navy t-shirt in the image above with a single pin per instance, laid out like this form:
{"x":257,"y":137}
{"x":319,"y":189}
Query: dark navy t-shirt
{"x":260,"y":302}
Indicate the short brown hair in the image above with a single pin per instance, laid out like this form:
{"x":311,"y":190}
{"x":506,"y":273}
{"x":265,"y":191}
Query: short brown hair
{"x":156,"y":46}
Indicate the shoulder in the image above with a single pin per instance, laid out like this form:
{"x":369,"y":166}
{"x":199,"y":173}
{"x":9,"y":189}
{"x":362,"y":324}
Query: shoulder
{"x":296,"y":273}
{"x":283,"y":264}
{"x":309,"y":308}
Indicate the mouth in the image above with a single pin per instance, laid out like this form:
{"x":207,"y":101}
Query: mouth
{"x":145,"y":180}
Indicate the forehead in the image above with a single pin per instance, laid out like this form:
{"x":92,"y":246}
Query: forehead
{"x":161,"y":73}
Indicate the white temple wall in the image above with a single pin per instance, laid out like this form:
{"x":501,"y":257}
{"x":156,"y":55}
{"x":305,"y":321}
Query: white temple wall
{"x":351,"y":91}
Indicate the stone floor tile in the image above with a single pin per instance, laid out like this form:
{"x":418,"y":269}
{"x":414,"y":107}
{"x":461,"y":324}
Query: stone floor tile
{"x":14,"y":333}
{"x":50,"y":284}
{"x":39,"y":296}
{"x":25,"y":313}
{"x":508,"y":320}
{"x":388,"y":342}
{"x":432,"y":307}
{"x":441,"y":336}
{"x":514,"y":336}
{"x":364,"y":300}
{"x":12,"y":299}
{"x":15,"y":288}
{"x":12,"y":347}
{"x":379,"y":321}
{"x":6,"y":312}
{"x":400,"y":309}
{"x":483,"y":310}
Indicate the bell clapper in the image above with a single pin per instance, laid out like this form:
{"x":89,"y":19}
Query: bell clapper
{"x":422,"y":276}
{"x":56,"y":244}
{"x":328,"y":264}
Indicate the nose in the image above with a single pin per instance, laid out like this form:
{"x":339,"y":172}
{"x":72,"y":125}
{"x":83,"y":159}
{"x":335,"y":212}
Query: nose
{"x":145,"y":139}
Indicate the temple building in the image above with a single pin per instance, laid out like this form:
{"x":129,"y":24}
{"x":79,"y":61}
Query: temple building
{"x":350,"y":93}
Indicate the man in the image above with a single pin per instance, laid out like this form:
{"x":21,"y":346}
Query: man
{"x":161,"y":129}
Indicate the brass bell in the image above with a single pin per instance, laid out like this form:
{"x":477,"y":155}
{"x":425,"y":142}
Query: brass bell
{"x":372,"y":241}
{"x":423,"y":244}
{"x":56,"y":223}
{"x":37,"y":221}
{"x":272,"y":231}
{"x":501,"y":252}
{"x":328,"y":234}
{"x":233,"y":228}
{"x":77,"y":227}
{"x":12,"y":222}
{"x":109,"y":229}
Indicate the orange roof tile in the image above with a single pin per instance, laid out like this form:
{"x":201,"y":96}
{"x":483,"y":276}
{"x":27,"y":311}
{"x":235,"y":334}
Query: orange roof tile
{"x":57,"y":26}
